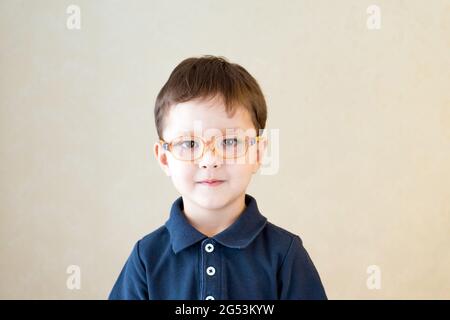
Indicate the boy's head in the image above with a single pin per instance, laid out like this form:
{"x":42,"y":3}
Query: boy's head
{"x":209,"y":117}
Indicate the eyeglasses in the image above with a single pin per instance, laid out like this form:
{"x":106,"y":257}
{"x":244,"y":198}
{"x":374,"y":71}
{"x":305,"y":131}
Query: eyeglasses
{"x":191,"y":148}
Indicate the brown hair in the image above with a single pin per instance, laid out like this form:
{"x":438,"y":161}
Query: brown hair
{"x":209,"y":76}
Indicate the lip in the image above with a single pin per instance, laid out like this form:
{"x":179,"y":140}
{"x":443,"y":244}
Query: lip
{"x":211,"y":183}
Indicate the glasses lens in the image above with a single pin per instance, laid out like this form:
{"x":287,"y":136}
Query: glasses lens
{"x":231,"y":146}
{"x":187,"y":148}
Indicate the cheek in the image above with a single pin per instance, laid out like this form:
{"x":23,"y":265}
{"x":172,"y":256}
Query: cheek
{"x":240,"y":174}
{"x":183,"y":174}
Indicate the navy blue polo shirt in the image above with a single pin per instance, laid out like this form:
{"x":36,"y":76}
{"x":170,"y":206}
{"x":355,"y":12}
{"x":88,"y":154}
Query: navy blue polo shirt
{"x":251,"y":259}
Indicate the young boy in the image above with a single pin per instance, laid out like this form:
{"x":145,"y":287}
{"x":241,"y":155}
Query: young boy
{"x":216,"y":244}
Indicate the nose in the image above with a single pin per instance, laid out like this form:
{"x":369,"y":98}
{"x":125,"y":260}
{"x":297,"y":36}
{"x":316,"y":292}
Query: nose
{"x":210,"y":158}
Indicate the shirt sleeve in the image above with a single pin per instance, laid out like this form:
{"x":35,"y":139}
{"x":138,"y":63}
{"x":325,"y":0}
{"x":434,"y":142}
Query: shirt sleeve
{"x":298,"y":277}
{"x":132,"y":281}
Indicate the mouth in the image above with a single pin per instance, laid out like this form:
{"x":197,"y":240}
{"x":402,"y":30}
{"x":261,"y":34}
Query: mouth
{"x":211,"y":183}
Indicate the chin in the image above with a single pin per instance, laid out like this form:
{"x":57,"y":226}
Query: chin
{"x":212,"y":201}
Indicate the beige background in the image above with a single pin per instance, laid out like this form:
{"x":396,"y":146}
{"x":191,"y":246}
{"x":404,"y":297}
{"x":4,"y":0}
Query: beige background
{"x":364,"y":120}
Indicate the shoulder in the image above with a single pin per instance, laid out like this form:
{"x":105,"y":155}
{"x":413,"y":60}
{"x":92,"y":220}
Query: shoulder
{"x":153,"y":244}
{"x":279,"y":234}
{"x":279,"y":239}
{"x":155,"y":236}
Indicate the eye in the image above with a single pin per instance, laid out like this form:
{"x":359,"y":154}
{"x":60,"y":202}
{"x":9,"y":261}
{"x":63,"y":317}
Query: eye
{"x":189,"y":144}
{"x":230,"y":142}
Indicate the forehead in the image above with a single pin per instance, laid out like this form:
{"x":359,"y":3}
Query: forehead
{"x":206,"y":118}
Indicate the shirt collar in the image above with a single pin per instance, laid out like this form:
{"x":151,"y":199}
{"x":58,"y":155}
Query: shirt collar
{"x":239,"y":235}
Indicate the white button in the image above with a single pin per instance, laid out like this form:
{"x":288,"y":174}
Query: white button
{"x":209,"y":247}
{"x":209,"y":298}
{"x":210,"y":271}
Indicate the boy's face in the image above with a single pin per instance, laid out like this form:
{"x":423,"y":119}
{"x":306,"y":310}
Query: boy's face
{"x":207,"y":119}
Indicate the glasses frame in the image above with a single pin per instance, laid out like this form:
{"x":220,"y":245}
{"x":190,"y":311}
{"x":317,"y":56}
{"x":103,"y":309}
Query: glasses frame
{"x":249,"y":141}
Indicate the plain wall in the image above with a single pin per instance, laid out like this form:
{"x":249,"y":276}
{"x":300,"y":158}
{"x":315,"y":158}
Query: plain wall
{"x":364,"y":135}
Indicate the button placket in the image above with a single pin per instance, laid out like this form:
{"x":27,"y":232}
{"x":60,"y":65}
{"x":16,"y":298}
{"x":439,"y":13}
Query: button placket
{"x":209,"y":269}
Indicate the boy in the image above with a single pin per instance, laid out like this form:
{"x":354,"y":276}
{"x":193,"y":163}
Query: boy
{"x":216,"y":244}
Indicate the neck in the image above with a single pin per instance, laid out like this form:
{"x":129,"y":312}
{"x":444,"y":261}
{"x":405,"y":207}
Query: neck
{"x":213,"y":221}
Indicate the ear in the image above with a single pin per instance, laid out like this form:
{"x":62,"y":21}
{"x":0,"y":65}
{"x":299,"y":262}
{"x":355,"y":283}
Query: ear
{"x":262,"y":145}
{"x":161,"y":158}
